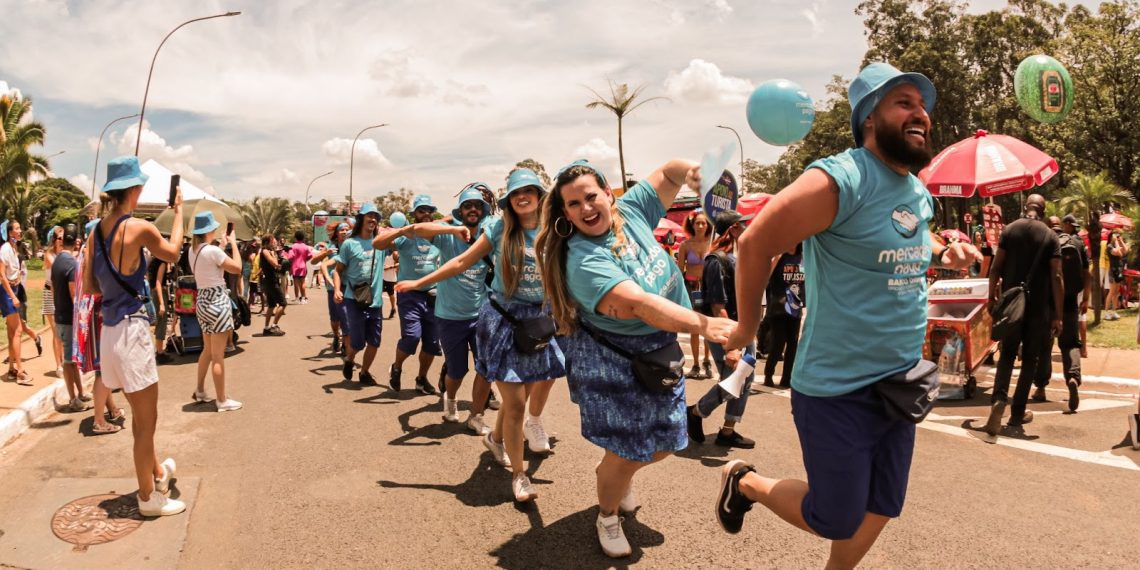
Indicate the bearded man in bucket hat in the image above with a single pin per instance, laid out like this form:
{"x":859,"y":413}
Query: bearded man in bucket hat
{"x":862,"y":216}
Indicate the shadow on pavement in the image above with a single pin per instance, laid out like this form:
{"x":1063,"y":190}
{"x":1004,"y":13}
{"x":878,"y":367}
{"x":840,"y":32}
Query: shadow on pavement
{"x":342,"y":385}
{"x":199,"y":407}
{"x":489,"y":485}
{"x":1013,"y":432}
{"x":708,"y":454}
{"x":571,"y":542}
{"x":435,"y":431}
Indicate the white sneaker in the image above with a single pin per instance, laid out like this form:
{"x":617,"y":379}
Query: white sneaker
{"x":160,"y":505}
{"x":451,"y":410}
{"x":475,"y":424}
{"x":629,"y":503}
{"x":228,"y":405}
{"x":498,"y":451}
{"x":202,"y":397}
{"x":612,"y":537}
{"x":536,"y":438}
{"x":162,"y":484}
{"x":524,"y":491}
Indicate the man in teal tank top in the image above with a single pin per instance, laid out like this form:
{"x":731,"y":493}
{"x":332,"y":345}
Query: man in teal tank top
{"x":862,"y":216}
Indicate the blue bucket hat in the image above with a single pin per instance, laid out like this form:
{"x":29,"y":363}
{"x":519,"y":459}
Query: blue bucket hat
{"x":874,"y":82}
{"x":421,"y":201}
{"x":585,"y":163}
{"x":204,"y":223}
{"x":368,"y":208}
{"x":122,"y":173}
{"x":473,"y":191}
{"x":519,"y":179}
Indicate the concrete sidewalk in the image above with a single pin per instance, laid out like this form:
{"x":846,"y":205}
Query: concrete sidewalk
{"x":22,"y":406}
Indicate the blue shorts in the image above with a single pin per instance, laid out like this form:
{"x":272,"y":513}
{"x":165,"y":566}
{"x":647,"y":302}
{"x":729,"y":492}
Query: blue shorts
{"x":7,"y":307}
{"x":457,"y":338}
{"x":64,"y":334}
{"x":417,"y":322}
{"x":364,"y":324}
{"x":337,"y":314}
{"x":857,"y":459}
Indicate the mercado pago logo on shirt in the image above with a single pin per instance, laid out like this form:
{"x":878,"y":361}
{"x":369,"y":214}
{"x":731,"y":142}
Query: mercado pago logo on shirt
{"x":904,"y":221}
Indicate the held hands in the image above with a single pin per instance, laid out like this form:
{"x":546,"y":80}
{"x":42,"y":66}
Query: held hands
{"x":402,"y":286}
{"x":717,"y":329}
{"x":960,"y":256}
{"x":738,"y":339}
{"x":461,"y":232}
{"x":338,"y":296}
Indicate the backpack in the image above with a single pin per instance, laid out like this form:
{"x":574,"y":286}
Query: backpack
{"x":728,"y":272}
{"x":1072,"y":269}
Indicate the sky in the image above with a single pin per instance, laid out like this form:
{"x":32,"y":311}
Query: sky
{"x":262,"y":103}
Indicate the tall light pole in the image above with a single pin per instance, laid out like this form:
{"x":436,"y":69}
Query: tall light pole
{"x":307,"y":192}
{"x":352,"y":159}
{"x":99,"y":146}
{"x":741,"y":143}
{"x":142,"y":114}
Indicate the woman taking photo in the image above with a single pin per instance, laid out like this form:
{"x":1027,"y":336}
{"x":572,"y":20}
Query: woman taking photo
{"x":610,"y":285}
{"x":691,"y":259}
{"x":115,"y":268}
{"x":524,"y":378}
{"x":209,"y":264}
{"x":1116,"y":251}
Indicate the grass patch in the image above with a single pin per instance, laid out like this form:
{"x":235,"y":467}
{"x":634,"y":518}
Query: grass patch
{"x":1114,"y":334}
{"x":34,"y":287}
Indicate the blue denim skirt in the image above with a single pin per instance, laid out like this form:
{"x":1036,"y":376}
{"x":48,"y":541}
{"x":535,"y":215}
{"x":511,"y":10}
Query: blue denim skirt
{"x":499,"y":361}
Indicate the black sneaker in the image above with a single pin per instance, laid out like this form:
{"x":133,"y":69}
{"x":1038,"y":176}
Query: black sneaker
{"x":1024,"y":419}
{"x":336,"y":344}
{"x":696,"y":425}
{"x":768,"y":382}
{"x":708,"y":370}
{"x":731,"y":504}
{"x":366,"y":379}
{"x":734,"y":440}
{"x":1039,"y":395}
{"x":163,"y":358}
{"x":394,"y":378}
{"x":1074,"y":396}
{"x":694,"y":372}
{"x":492,"y":401}
{"x":346,"y":370}
{"x":425,"y":387}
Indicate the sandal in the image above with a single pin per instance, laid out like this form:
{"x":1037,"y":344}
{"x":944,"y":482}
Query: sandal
{"x":23,"y":379}
{"x":105,"y":429}
{"x":117,"y":416}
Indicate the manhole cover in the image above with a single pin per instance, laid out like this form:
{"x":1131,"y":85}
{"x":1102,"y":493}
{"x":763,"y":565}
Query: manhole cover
{"x":96,"y":519}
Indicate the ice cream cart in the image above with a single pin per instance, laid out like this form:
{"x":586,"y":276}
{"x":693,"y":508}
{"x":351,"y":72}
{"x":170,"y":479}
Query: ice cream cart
{"x":958,"y":333}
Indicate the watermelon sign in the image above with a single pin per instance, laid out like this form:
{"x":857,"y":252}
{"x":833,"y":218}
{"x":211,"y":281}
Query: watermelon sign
{"x":1044,"y":89}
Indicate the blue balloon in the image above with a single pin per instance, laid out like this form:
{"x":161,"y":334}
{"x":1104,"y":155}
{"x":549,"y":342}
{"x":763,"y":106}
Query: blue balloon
{"x":397,"y":220}
{"x":780,"y":112}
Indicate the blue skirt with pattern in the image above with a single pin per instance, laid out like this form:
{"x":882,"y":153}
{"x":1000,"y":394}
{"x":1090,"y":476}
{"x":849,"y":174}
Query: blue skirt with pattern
{"x":617,"y":413}
{"x":499,"y":361}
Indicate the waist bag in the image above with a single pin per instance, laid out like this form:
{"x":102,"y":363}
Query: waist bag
{"x":362,"y":292}
{"x":910,"y":395}
{"x":531,"y":335}
{"x":658,"y":371}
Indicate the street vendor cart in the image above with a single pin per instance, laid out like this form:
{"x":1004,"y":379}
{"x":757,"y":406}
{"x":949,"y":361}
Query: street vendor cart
{"x":958,"y":328}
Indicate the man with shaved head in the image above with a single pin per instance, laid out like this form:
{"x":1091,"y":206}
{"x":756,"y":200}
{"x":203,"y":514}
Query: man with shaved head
{"x":1028,"y":254}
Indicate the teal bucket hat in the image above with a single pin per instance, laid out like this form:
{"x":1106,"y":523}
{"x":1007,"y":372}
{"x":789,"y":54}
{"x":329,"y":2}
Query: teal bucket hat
{"x":421,"y":201}
{"x":204,"y":223}
{"x":368,"y":208}
{"x":473,"y":191}
{"x":873,"y":83}
{"x":122,"y":173}
{"x":519,"y":179}
{"x":584,"y":163}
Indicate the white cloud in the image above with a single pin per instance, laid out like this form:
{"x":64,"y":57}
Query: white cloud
{"x":274,"y":178}
{"x":812,"y":14}
{"x":722,"y":8}
{"x":181,"y":160}
{"x":703,"y":82}
{"x":602,"y":156}
{"x":81,"y":181}
{"x":10,"y":91}
{"x":368,"y":153}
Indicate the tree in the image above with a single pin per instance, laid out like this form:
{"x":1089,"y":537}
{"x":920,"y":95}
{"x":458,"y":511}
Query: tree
{"x":266,"y":216}
{"x":55,"y":195}
{"x":538,"y":169}
{"x":621,"y":102}
{"x":17,"y":136}
{"x":1084,"y":197}
{"x":392,"y":202}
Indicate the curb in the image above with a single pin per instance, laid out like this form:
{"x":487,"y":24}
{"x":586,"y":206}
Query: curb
{"x":35,"y":408}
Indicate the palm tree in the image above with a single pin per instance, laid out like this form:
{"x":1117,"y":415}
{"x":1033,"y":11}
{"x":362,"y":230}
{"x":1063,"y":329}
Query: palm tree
{"x":17,"y":135}
{"x":1084,"y":197}
{"x":621,"y":103}
{"x":266,"y":215}
{"x":22,"y":203}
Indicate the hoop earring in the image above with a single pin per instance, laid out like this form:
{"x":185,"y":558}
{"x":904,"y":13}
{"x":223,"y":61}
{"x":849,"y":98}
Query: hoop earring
{"x":569,"y":232}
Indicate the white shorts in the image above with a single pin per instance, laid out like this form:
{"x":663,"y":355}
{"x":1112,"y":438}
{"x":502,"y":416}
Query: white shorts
{"x":1083,"y":317}
{"x":126,"y":353}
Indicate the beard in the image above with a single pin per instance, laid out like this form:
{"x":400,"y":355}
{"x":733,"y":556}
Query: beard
{"x":894,"y":146}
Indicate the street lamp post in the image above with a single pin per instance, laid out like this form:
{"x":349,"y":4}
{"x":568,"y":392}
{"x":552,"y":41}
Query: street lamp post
{"x":741,"y":143}
{"x":99,"y":146}
{"x":142,"y":113}
{"x":352,"y":159}
{"x":307,"y":207}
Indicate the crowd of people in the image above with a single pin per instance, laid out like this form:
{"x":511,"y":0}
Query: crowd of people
{"x":569,"y":281}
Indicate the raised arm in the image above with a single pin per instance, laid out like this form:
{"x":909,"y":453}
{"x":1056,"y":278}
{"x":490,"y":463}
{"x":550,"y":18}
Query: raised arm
{"x":629,"y":301}
{"x":232,"y":264}
{"x":668,"y":179}
{"x":164,"y":249}
{"x":480,"y":249}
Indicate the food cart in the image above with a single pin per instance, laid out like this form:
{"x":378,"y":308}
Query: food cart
{"x":957,"y":311}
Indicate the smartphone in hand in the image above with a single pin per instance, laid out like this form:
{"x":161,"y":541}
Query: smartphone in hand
{"x":175,"y":180}
{"x":229,"y":229}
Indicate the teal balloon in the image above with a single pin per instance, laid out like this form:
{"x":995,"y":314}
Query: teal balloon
{"x":397,"y":220}
{"x":780,"y":112}
{"x":1043,"y":88}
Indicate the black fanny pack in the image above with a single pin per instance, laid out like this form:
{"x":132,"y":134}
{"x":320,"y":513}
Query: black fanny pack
{"x":531,"y":335}
{"x":658,"y":371}
{"x":910,"y":395}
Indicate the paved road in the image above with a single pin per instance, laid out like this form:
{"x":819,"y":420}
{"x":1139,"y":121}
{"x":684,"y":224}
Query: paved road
{"x":315,"y":472}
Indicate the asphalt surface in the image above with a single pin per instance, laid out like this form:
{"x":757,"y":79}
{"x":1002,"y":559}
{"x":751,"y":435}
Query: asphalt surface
{"x":317,"y":472}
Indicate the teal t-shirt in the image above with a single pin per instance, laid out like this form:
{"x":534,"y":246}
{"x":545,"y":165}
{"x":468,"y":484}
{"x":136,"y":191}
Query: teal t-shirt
{"x":461,"y":297}
{"x":418,"y":258}
{"x":592,"y":268}
{"x":866,"y":279}
{"x":358,"y":257}
{"x":529,"y":289}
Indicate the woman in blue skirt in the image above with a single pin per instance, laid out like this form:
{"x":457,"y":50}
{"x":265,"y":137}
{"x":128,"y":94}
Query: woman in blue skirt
{"x":609,"y":282}
{"x":516,"y":296}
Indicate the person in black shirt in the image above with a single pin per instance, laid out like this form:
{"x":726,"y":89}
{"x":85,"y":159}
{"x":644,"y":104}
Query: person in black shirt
{"x":719,"y":287}
{"x":270,"y":281}
{"x":62,"y":279}
{"x":785,"y":312}
{"x":1021,"y":242}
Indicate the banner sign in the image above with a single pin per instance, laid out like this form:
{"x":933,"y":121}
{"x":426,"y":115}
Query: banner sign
{"x":722,"y":196}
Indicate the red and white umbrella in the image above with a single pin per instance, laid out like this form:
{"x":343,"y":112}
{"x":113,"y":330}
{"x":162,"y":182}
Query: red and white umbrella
{"x":987,"y":164}
{"x":1115,"y":220}
{"x":956,"y":235}
{"x":751,"y":204}
{"x":665,"y":226}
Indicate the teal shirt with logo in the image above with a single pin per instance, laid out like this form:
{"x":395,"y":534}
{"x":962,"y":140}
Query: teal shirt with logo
{"x":866,"y":279}
{"x":461,"y":297}
{"x":529,"y":289}
{"x":362,"y":263}
{"x":592,"y":268}
{"x":418,"y":258}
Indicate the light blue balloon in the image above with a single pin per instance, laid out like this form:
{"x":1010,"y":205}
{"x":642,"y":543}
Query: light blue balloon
{"x":397,"y":220}
{"x":780,"y":112}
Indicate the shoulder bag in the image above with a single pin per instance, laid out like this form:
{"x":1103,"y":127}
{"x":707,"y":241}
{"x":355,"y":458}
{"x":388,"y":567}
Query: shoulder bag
{"x":910,"y":395}
{"x":1009,"y":311}
{"x":531,"y":335}
{"x":658,"y":371}
{"x":362,"y":292}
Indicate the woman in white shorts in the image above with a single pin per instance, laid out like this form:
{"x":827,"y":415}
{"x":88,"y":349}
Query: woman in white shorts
{"x":209,"y":263}
{"x":126,"y":345}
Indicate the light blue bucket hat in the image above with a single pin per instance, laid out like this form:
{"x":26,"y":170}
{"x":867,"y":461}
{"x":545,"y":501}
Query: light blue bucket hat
{"x":519,"y":179}
{"x":873,"y":83}
{"x":368,"y":208}
{"x":473,"y":191}
{"x":122,"y":173}
{"x":421,"y":201}
{"x":204,"y":223}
